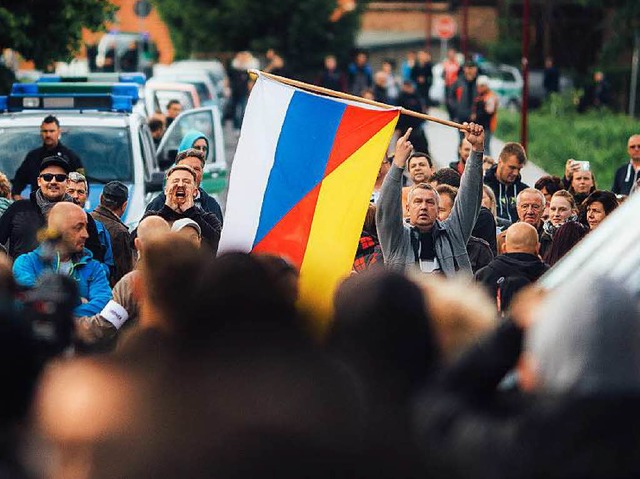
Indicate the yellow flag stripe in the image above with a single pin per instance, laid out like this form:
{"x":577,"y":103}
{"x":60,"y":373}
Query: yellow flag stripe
{"x":337,"y":224}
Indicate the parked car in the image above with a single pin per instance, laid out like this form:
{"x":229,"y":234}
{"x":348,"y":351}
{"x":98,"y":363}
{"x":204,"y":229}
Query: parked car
{"x":158,"y":93}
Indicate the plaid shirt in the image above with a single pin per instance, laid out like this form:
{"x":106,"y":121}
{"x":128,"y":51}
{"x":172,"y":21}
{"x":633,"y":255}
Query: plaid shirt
{"x":368,"y":253}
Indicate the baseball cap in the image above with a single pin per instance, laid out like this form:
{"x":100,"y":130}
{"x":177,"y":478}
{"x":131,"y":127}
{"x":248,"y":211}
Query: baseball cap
{"x":116,"y":190}
{"x":184,"y":222}
{"x":483,"y":80}
{"x":470,"y":63}
{"x":55,"y":161}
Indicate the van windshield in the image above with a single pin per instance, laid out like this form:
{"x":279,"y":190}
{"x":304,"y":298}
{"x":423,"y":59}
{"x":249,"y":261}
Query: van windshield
{"x":105,"y":151}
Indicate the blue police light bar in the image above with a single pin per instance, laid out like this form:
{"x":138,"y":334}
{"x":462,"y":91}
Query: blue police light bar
{"x":138,"y":78}
{"x":66,"y":101}
{"x":55,"y":88}
{"x":24,"y":89}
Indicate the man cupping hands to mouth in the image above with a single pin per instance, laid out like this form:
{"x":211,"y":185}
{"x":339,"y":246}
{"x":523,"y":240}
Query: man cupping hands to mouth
{"x":180,"y":190}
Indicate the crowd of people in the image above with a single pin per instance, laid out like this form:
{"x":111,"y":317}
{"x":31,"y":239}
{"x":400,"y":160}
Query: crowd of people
{"x":152,"y":356}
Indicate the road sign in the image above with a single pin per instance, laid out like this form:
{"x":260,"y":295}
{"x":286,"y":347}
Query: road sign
{"x":142,"y":8}
{"x":445,"y":27}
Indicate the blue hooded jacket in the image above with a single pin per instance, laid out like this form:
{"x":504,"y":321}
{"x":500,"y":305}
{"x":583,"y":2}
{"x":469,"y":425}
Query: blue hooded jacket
{"x":190,"y":138}
{"x":89,"y":274}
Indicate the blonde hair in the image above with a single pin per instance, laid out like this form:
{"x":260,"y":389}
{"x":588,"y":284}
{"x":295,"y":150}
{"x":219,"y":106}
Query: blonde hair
{"x":492,"y":197}
{"x":461,"y":311}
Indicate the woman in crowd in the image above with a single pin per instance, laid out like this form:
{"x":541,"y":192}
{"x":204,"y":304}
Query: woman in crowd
{"x":598,"y":206}
{"x":562,"y":208}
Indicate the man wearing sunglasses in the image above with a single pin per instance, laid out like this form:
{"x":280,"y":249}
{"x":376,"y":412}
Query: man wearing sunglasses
{"x":21,"y":222}
{"x":628,"y":176}
{"x":28,"y":171}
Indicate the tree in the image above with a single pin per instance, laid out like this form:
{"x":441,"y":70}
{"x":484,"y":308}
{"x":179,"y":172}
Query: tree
{"x":50,"y":30}
{"x":300,"y":30}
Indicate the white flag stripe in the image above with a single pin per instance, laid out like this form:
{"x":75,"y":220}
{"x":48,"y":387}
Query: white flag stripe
{"x":252,"y":163}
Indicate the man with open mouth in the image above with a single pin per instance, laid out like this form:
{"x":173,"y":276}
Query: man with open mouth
{"x":180,"y":191}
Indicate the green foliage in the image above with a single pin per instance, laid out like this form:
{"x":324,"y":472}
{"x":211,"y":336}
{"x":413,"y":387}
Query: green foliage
{"x":300,"y":30}
{"x":50,"y":30}
{"x":557,"y":133}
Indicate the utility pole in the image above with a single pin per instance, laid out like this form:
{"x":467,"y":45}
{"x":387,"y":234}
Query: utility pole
{"x":634,"y":73}
{"x":428,"y":27}
{"x":465,"y":28}
{"x":525,"y":74}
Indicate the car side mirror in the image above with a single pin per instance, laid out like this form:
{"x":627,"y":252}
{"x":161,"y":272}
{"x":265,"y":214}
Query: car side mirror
{"x":156,"y":183}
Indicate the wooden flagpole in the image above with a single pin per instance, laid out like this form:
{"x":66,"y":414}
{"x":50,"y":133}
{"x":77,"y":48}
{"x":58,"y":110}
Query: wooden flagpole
{"x":347,"y":96}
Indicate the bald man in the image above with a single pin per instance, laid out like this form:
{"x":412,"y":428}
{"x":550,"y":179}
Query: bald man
{"x":628,"y":175}
{"x":100,"y":330}
{"x":66,"y":254}
{"x":519,"y":263}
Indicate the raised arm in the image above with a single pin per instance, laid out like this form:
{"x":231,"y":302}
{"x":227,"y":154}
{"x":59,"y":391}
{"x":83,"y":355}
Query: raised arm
{"x":467,"y":204}
{"x":389,"y":208}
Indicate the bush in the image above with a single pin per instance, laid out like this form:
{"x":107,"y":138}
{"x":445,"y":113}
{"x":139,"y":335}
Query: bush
{"x":556,"y":133}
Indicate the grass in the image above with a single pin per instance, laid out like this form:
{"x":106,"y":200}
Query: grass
{"x":557,"y":134}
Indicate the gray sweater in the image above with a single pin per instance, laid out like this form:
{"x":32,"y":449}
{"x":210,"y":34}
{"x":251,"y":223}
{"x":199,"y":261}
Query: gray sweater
{"x":450,"y":236}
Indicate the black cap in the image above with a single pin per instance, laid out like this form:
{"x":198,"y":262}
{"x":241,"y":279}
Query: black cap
{"x":115,"y":190}
{"x":470,"y":63}
{"x":55,"y":161}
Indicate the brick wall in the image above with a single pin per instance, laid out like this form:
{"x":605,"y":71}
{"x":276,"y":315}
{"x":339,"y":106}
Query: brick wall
{"x":483,"y":21}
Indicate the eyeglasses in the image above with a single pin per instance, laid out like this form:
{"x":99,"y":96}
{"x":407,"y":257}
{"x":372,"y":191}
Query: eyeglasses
{"x":634,"y":146}
{"x":50,"y":176}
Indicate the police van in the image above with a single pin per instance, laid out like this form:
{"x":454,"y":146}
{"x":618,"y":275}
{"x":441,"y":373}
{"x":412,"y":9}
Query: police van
{"x":104,"y":123}
{"x":98,"y":123}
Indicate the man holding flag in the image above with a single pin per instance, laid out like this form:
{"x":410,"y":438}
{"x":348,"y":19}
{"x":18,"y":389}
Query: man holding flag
{"x":431,"y":245}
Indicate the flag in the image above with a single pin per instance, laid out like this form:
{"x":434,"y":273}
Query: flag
{"x":301,"y":180}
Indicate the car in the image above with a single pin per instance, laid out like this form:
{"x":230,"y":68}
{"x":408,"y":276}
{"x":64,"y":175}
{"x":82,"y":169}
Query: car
{"x":200,"y":79}
{"x":158,"y":93}
{"x":216,"y":71}
{"x":113,"y":141}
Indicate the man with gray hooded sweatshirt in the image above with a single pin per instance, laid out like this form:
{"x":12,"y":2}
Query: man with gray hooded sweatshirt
{"x":580,"y":370}
{"x":425,"y":243}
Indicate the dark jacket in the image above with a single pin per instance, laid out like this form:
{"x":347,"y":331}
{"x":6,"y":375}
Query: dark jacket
{"x":505,"y":194}
{"x":29,"y":170}
{"x":208,"y":222}
{"x":485,"y":228}
{"x":461,"y":96}
{"x":510,"y":265}
{"x":625,"y":177}
{"x":207,"y":203}
{"x":19,"y":226}
{"x":480,"y":254}
{"x":120,"y":242}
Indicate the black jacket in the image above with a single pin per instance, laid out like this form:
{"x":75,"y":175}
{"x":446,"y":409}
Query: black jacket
{"x":208,"y":222}
{"x":120,"y":242}
{"x":505,"y":194}
{"x":510,"y":265}
{"x":480,"y":254}
{"x":19,"y":226}
{"x":625,"y":177}
{"x":29,"y":170}
{"x":485,"y":228}
{"x":206,"y":202}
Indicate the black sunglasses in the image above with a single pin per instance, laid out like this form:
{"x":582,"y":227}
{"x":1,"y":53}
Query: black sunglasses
{"x":60,"y":177}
